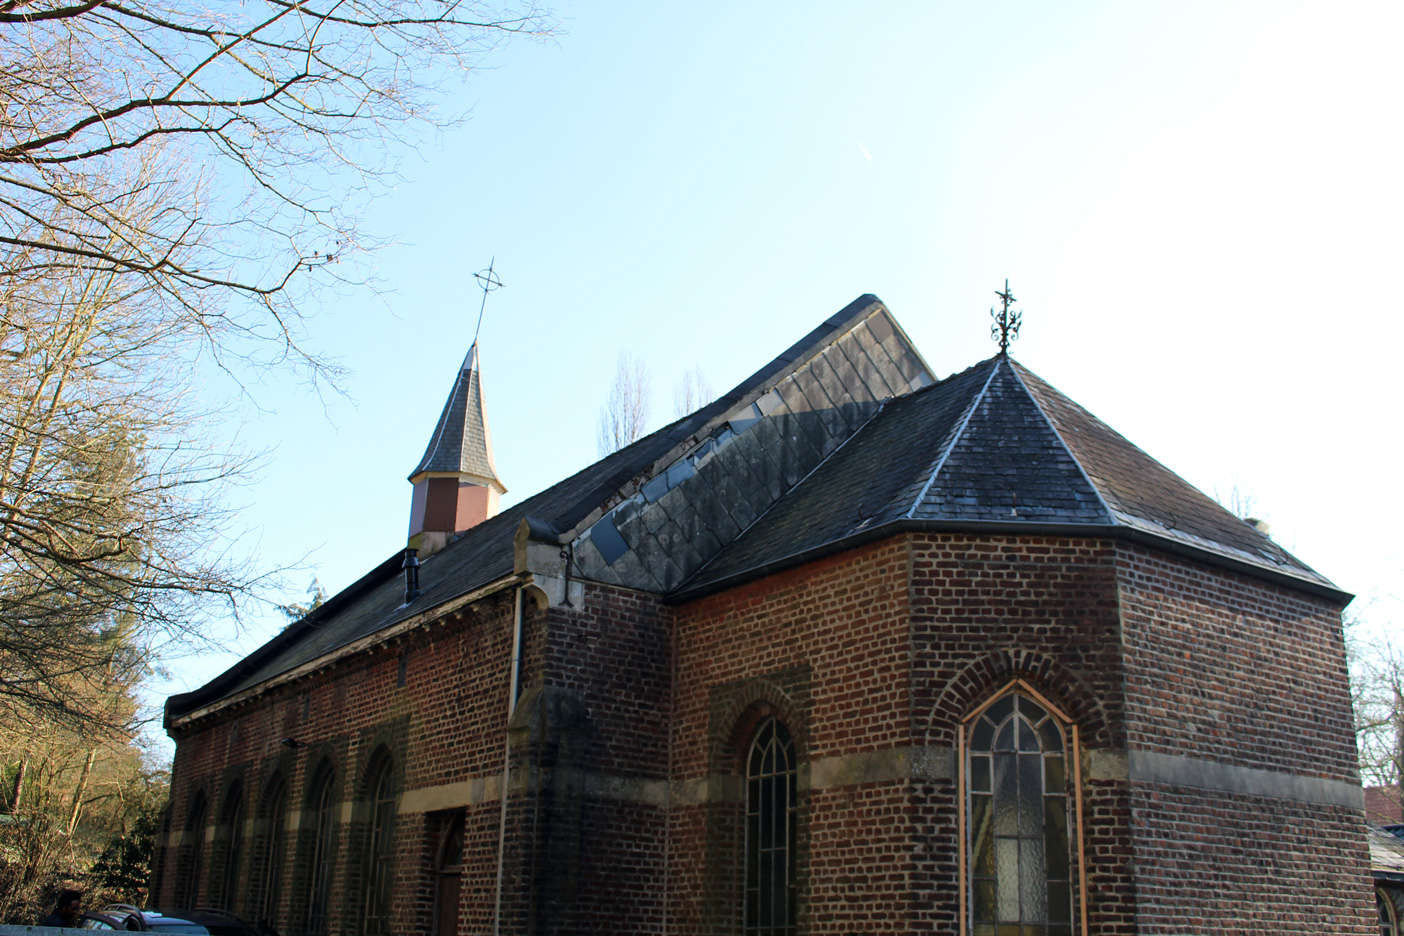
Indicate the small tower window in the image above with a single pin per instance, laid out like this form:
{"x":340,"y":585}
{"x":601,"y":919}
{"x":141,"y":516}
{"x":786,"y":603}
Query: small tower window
{"x":771,"y":797}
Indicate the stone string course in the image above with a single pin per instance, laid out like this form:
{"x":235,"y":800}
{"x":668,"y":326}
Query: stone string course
{"x":623,"y":799}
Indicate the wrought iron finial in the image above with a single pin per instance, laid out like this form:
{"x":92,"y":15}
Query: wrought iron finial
{"x":1006,"y":320}
{"x":488,"y":280}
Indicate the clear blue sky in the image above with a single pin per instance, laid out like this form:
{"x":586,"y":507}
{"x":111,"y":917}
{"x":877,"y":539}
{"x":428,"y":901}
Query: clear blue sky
{"x":1197,"y":204}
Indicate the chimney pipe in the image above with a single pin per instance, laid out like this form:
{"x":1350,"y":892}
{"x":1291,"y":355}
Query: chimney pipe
{"x":411,"y":567}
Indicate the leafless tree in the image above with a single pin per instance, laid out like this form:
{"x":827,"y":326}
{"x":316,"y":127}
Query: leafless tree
{"x":624,"y":417}
{"x":692,"y":393}
{"x":1377,"y":694}
{"x":258,"y":127}
{"x":114,"y":524}
{"x":176,"y":178}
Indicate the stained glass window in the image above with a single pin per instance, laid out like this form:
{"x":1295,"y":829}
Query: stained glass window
{"x":1020,"y":878}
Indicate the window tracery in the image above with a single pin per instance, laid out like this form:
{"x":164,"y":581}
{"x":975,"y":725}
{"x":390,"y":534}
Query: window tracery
{"x":771,"y":799}
{"x":1018,"y":818}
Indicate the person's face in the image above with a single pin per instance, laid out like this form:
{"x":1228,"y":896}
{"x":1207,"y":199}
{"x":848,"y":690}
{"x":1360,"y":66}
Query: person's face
{"x":71,"y":909}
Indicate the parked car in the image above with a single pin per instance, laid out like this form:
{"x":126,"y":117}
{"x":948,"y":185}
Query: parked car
{"x":201,"y":920}
{"x":130,"y":919}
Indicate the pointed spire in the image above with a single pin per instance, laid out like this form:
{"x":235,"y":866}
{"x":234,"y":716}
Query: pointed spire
{"x":462,"y":441}
{"x":456,"y":485}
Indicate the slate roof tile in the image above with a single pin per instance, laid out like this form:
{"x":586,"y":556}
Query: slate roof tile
{"x":994,"y":444}
{"x":461,"y":441}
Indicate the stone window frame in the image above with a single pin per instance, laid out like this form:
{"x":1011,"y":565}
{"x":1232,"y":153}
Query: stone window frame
{"x":1389,"y":927}
{"x":320,"y":803}
{"x":1072,"y":734}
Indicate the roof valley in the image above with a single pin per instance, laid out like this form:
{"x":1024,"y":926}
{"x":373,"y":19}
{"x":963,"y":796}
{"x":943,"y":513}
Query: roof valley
{"x":701,"y":570}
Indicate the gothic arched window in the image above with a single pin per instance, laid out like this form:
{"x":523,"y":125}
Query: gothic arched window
{"x":320,"y":805}
{"x":771,"y":798}
{"x":232,"y":819}
{"x":1018,"y":848}
{"x":274,"y":843}
{"x":1389,"y":925}
{"x":193,"y":849}
{"x":379,"y":866}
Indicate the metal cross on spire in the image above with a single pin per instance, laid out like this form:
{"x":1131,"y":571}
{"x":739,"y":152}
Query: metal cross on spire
{"x":488,"y":280}
{"x":1006,"y":320}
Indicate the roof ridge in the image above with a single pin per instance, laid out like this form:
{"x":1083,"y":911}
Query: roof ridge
{"x":955,"y":437}
{"x":1014,"y":368}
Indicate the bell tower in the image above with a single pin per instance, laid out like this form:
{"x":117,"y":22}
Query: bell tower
{"x":455,"y":484}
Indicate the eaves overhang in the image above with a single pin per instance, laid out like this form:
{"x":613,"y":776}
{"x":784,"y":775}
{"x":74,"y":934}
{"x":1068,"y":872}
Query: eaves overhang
{"x":219,"y":693}
{"x":1014,"y":528}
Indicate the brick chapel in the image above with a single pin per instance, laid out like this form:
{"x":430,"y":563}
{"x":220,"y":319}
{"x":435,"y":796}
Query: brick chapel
{"x":851,"y":649}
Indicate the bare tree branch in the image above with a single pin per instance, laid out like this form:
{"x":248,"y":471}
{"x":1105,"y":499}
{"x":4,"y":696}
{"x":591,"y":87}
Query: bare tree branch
{"x":624,"y":417}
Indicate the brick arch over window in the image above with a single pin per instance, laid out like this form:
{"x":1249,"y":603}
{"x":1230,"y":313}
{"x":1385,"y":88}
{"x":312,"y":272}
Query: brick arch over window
{"x":740,"y":712}
{"x":743,"y":714}
{"x":992,"y":673}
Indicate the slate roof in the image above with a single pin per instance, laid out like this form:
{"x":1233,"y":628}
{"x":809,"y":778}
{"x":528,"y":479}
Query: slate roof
{"x":461,"y":442}
{"x":992,"y":448}
{"x":485,"y":554}
{"x":1386,"y":855}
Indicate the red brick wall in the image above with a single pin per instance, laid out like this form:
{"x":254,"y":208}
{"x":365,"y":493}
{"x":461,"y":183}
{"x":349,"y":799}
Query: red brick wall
{"x":826,"y":648}
{"x":1227,"y":668}
{"x":886,"y":646}
{"x":444,"y":726}
{"x":988,"y":609}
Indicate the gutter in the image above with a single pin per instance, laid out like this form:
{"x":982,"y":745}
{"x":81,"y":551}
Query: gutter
{"x":427,"y":616}
{"x":998,"y":527}
{"x":178,"y":705}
